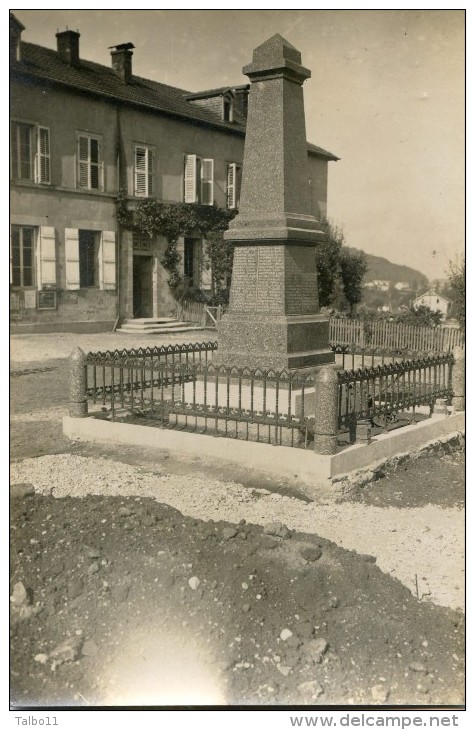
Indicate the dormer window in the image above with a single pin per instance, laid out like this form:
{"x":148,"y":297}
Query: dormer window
{"x":227,"y":109}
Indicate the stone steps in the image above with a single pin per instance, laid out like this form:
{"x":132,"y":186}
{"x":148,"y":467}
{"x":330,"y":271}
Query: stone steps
{"x":156,"y":326}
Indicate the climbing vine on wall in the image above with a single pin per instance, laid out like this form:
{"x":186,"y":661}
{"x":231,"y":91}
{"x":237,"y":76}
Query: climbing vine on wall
{"x":174,"y":220}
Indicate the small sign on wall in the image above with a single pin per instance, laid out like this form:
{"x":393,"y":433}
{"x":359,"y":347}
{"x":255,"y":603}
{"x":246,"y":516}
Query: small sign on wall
{"x":46,"y":299}
{"x":30,"y":299}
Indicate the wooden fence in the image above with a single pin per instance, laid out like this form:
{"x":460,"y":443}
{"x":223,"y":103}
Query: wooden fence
{"x":199,"y":313}
{"x":386,"y":335}
{"x":378,"y":334}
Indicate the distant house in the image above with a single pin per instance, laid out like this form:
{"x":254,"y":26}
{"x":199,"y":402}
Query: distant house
{"x":402,"y":286}
{"x":380,"y":284}
{"x":436,"y":302}
{"x":82,"y":131}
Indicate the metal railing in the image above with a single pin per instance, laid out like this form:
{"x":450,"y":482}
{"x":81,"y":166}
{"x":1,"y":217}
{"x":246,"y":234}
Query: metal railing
{"x":386,"y":390}
{"x":356,"y":356}
{"x":161,"y":389}
{"x":179,"y":387}
{"x":123,"y":370}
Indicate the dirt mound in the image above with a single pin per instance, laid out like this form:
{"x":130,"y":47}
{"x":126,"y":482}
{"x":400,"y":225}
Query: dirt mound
{"x":120,"y":601}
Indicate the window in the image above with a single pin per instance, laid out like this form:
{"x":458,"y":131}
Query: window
{"x":227,"y":109}
{"x":88,"y":259}
{"x":143,"y":186}
{"x":89,"y":163}
{"x":233,"y":187}
{"x":199,"y":180}
{"x":30,"y":153}
{"x":189,"y":260}
{"x":23,"y":256}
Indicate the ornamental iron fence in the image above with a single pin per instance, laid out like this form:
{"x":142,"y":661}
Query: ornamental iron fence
{"x":384,"y":391}
{"x":179,"y":387}
{"x":195,"y":395}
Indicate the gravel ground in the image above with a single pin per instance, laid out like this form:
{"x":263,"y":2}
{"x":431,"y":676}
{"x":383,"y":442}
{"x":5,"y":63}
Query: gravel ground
{"x":403,"y":541}
{"x":41,"y":347}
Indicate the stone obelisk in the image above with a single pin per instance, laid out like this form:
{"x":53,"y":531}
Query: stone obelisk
{"x":273,"y":319}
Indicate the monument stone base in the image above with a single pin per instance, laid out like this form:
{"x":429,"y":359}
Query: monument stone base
{"x":266,"y":341}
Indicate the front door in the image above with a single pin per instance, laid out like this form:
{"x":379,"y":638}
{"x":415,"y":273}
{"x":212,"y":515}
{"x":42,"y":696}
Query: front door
{"x":142,"y":286}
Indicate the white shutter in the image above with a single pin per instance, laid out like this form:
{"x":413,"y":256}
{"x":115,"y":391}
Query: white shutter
{"x":231,"y":186}
{"x":190,"y":179}
{"x":107,"y":258}
{"x":207,"y":182}
{"x":43,"y":167}
{"x":83,"y":162}
{"x":46,"y":257}
{"x":141,"y":171}
{"x":71,"y":246}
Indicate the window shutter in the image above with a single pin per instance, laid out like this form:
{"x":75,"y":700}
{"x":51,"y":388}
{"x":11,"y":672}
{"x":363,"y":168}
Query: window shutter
{"x":46,"y":256}
{"x":141,"y":171}
{"x":190,"y":179}
{"x":108,"y":277}
{"x":207,"y":182}
{"x":231,"y":187}
{"x":71,"y":245}
{"x":83,"y":162}
{"x":43,"y":156}
{"x":150,"y":161}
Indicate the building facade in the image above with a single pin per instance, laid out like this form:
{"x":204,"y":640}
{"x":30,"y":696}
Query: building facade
{"x":434,"y":301}
{"x":80,"y":132}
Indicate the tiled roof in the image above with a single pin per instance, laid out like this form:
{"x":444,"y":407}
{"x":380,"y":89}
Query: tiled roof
{"x":315,"y":150}
{"x":215,"y":92}
{"x":94,"y":78}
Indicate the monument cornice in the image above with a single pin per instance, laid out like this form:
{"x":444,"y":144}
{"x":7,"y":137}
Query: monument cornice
{"x":287,"y":70}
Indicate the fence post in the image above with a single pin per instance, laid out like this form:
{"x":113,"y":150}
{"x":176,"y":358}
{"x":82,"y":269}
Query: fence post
{"x":77,"y":384}
{"x":326,"y":411}
{"x":458,"y":379}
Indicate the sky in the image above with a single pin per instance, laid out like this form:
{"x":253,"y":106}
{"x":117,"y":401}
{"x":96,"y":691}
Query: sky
{"x":387,"y":96}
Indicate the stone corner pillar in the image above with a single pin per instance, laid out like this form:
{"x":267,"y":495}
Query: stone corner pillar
{"x":273,"y":320}
{"x":77,"y":384}
{"x":458,"y":379}
{"x":326,"y":411}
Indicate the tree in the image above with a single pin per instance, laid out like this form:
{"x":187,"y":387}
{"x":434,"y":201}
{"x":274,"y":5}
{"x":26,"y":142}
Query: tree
{"x":340,"y":272}
{"x":328,"y":262}
{"x":422,"y":315}
{"x":456,"y":276}
{"x":353,"y":267}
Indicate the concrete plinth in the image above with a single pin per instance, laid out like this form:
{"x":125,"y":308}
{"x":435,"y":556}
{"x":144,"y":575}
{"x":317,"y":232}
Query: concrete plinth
{"x":307,"y":471}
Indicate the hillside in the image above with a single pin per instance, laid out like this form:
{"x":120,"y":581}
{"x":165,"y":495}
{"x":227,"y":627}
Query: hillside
{"x":381,"y":268}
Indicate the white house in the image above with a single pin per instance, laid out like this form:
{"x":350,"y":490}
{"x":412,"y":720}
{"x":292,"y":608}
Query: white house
{"x":433,"y":300}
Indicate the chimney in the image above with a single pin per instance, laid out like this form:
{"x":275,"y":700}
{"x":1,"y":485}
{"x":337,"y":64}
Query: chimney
{"x":121,"y":56}
{"x":242,"y":98}
{"x":15,"y":37}
{"x":68,"y":46}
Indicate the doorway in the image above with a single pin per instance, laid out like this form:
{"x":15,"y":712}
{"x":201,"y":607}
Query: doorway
{"x":143,"y":286}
